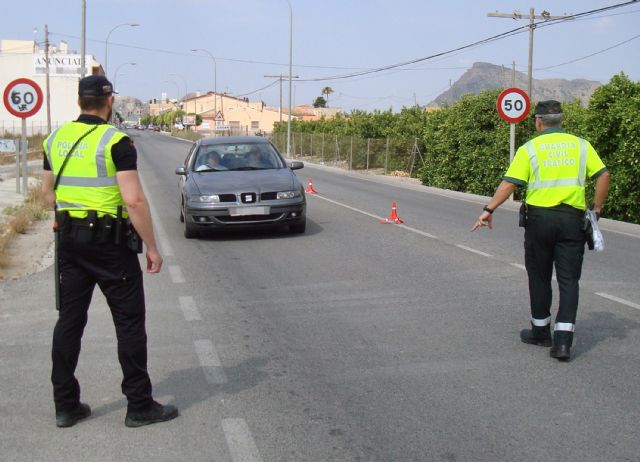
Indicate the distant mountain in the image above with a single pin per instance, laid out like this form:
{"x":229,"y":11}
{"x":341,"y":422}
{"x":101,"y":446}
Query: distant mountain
{"x":486,"y":76}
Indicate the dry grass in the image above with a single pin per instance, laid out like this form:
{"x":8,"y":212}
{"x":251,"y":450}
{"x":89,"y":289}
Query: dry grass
{"x":19,"y":218}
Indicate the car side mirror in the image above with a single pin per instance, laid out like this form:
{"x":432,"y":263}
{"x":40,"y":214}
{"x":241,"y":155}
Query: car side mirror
{"x":181,"y":171}
{"x":296,"y":165}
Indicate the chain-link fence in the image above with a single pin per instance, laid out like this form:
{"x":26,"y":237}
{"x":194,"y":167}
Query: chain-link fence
{"x":389,"y":156}
{"x":36,"y":133}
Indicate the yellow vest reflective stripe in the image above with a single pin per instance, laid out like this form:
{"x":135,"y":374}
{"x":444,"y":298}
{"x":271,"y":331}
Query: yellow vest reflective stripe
{"x":88,"y":181}
{"x":537,"y":183}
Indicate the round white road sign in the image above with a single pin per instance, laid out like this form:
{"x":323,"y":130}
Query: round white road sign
{"x":513,"y":105}
{"x":22,"y":98}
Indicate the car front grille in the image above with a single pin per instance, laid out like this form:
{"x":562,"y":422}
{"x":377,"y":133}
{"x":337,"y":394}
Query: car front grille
{"x":249,"y":218}
{"x":227,"y":197}
{"x":268,"y":196}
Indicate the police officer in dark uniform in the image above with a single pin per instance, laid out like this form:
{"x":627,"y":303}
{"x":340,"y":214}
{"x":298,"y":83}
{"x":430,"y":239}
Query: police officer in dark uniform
{"x":553,"y":166}
{"x":91,"y":177}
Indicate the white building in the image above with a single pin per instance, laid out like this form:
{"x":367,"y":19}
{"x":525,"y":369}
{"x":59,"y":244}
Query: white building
{"x":25,"y":59}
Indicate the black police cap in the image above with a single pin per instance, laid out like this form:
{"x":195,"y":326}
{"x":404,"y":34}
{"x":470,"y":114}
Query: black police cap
{"x":95,"y":85}
{"x":548,"y":108}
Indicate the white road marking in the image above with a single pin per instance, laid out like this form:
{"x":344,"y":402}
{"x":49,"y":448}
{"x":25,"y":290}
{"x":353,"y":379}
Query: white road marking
{"x":189,"y":308}
{"x":176,"y":274}
{"x":619,"y":300}
{"x":161,"y":234}
{"x":417,"y":231}
{"x":239,"y":441}
{"x":519,"y":266}
{"x":210,"y":362}
{"x":349,"y":207}
{"x":469,"y":249}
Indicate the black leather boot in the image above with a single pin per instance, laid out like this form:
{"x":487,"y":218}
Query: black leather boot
{"x":537,"y":335}
{"x":70,"y":418}
{"x":155,"y":413}
{"x":561,"y":349}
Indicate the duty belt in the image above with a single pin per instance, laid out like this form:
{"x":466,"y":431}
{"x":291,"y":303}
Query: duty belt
{"x":563,"y":208}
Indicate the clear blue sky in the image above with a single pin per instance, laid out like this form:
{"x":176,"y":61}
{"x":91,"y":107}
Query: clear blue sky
{"x":250,"y":39}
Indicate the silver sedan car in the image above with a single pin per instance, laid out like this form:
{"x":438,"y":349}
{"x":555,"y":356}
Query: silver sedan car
{"x":239,"y":182}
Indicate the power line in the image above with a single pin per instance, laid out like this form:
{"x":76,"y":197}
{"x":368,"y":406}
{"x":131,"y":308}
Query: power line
{"x":590,"y":55}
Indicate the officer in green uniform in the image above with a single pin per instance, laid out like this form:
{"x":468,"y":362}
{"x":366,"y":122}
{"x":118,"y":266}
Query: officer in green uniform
{"x":90,"y":174}
{"x":553,"y":166}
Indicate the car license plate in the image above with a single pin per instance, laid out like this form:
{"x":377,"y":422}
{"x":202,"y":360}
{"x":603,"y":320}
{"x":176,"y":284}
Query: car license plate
{"x":247,"y":211}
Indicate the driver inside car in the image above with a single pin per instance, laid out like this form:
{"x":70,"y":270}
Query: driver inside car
{"x":210,"y":160}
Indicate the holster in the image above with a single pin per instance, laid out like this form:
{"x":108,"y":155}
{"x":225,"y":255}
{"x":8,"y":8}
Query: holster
{"x":522,"y":216}
{"x":132,"y":238}
{"x":62,"y":222}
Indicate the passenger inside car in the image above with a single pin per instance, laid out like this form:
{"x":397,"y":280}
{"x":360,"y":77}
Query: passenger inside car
{"x":257,"y":159}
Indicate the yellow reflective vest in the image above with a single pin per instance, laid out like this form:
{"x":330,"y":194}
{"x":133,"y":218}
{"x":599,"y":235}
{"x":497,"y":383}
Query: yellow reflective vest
{"x":88,"y":181}
{"x":554,"y":166}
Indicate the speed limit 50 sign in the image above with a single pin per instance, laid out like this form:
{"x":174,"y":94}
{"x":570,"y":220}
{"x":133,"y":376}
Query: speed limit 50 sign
{"x":22,"y":98}
{"x":513,"y":105}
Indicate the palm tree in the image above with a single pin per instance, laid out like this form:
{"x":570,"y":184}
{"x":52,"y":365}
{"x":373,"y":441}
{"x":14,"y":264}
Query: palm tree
{"x":327,"y":91}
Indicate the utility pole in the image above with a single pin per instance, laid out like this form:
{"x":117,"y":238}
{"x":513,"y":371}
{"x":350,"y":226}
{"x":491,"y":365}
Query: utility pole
{"x":546,"y":16}
{"x":47,"y":87}
{"x":280,"y":78}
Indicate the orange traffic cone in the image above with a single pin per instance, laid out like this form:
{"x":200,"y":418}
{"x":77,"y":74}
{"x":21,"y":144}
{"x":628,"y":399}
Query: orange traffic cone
{"x":393,"y":218}
{"x":310,"y":189}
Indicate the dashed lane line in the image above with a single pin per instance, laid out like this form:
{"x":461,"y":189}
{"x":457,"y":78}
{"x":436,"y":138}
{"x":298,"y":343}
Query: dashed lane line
{"x":619,"y":300}
{"x":210,"y":362}
{"x":189,"y":308}
{"x":239,"y":441}
{"x":469,"y":249}
{"x":175,"y":272}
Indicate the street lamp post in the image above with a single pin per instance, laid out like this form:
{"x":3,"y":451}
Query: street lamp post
{"x":106,"y":42}
{"x":115,"y":77}
{"x":215,"y":78}
{"x":290,"y":72}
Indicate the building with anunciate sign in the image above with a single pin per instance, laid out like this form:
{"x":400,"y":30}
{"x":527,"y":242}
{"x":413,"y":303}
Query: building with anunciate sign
{"x":26,"y":59}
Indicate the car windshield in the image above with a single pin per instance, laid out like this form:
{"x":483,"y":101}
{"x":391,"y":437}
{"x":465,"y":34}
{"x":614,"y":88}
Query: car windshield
{"x":237,"y":156}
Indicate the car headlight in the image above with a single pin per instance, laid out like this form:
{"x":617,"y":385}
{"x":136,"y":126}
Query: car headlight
{"x":206,"y":198}
{"x":287,"y":194}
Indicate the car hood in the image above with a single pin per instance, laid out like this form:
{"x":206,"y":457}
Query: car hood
{"x":247,"y":180}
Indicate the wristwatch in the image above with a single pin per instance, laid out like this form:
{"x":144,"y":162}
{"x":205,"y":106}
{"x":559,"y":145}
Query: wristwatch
{"x":487,"y":209}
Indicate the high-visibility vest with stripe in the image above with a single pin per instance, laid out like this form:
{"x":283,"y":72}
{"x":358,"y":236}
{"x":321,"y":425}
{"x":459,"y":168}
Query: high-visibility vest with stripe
{"x":554,"y":166}
{"x":88,"y":181}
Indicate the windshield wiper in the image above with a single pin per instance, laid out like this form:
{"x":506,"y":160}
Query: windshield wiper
{"x":248,"y":168}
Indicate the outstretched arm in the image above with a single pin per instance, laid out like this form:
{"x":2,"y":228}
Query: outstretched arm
{"x":505,"y":189}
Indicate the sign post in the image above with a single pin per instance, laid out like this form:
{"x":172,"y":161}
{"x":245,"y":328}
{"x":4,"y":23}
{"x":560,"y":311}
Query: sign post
{"x":513,"y":105}
{"x":22,"y":98}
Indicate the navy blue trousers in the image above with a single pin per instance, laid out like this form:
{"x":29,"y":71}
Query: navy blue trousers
{"x":554,"y":237}
{"x":116,"y":270}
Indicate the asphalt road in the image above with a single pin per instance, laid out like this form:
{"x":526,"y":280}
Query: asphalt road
{"x":355,"y":341}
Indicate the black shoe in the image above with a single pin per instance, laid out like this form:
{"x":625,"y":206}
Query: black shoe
{"x":560,"y":352}
{"x":154,"y":414}
{"x":540,"y":336}
{"x":562,"y":341}
{"x":70,"y":418}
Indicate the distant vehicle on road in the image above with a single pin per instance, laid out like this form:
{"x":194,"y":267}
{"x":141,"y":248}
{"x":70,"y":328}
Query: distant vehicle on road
{"x":239,"y":182}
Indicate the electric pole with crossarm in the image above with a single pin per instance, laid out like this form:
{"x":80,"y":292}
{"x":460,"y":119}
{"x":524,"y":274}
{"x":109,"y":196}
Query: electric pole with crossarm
{"x":546,"y":16}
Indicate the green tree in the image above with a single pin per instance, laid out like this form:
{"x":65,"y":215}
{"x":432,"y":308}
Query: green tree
{"x":320,"y":102}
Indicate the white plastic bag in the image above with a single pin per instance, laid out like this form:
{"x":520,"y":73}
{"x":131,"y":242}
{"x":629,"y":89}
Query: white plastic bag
{"x":598,"y":240}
